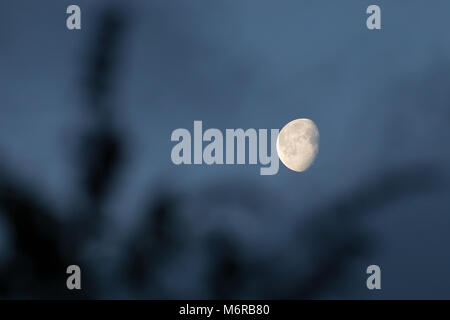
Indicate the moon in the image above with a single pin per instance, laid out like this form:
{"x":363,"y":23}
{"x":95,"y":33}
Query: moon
{"x":298,"y":144}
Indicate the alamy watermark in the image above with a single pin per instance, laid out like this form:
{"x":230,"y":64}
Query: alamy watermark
{"x":231,"y":151}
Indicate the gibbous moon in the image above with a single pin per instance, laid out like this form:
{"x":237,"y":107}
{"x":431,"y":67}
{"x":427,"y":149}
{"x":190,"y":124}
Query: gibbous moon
{"x":298,"y":144}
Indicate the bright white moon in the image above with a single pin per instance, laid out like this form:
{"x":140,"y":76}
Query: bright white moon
{"x":298,"y":144}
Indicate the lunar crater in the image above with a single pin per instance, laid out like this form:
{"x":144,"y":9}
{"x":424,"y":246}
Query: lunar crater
{"x":298,"y":144}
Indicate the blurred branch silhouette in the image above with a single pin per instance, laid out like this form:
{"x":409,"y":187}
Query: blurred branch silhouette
{"x":101,"y":148}
{"x":331,"y":238}
{"x":37,"y":256}
{"x":42,"y":251}
{"x":334,"y":233}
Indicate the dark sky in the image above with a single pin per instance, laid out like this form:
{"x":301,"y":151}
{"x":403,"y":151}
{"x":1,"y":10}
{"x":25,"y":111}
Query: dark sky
{"x":379,"y":98}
